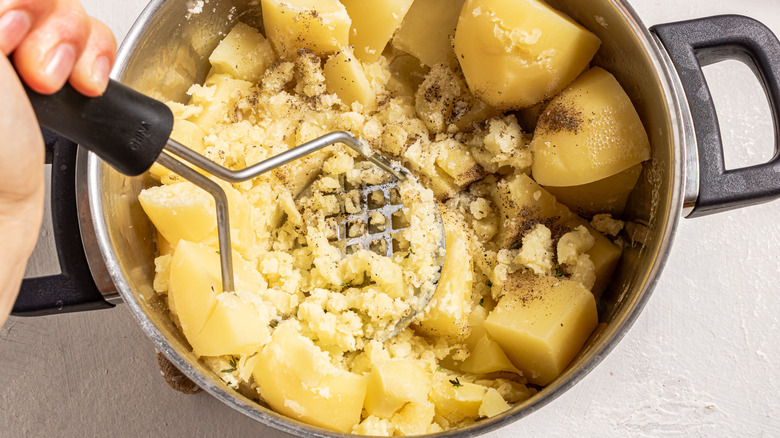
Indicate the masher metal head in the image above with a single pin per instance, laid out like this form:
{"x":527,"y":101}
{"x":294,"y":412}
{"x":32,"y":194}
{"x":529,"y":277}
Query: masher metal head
{"x":376,"y":238}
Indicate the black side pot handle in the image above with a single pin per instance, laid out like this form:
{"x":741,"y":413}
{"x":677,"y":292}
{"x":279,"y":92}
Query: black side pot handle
{"x":74,"y":289}
{"x":696,"y":43}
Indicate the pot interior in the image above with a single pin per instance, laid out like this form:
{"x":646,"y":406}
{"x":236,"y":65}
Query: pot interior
{"x":167,"y":50}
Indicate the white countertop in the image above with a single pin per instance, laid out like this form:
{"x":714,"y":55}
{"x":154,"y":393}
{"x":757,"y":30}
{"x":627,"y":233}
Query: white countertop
{"x":703,"y":359}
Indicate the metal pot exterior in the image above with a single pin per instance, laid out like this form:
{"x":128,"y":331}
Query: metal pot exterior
{"x":167,"y":50}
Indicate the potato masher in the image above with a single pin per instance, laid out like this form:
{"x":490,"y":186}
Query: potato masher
{"x":131,"y":131}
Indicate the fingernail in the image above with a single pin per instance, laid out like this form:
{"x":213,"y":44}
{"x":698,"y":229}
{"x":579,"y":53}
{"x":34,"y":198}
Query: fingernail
{"x":100,"y":70}
{"x":14,"y":25}
{"x":60,"y":64}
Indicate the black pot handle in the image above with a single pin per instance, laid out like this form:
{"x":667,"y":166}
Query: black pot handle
{"x":74,"y":289}
{"x":696,"y":43}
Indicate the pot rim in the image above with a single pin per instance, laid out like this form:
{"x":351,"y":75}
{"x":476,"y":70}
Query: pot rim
{"x":679,"y":117}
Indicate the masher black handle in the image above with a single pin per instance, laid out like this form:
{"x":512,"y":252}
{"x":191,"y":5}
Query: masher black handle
{"x":125,"y":128}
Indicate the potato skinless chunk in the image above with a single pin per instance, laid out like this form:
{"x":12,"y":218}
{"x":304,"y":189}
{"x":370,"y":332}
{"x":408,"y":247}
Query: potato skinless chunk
{"x":541,"y":323}
{"x":608,"y":195}
{"x":373,"y":24}
{"x":588,"y":132}
{"x":297,"y":379}
{"x":321,"y":26}
{"x":244,"y":53}
{"x":427,"y":29}
{"x":515,"y":54}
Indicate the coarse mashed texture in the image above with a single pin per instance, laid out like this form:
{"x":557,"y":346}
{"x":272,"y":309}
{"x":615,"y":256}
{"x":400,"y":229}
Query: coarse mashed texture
{"x":516,"y":299}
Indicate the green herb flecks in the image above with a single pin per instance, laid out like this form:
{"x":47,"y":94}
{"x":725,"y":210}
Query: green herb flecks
{"x":482,"y":301}
{"x":456,"y":382}
{"x":345,"y":284}
{"x":515,"y":245}
{"x":273,"y":323}
{"x":559,"y":270}
{"x":233,"y":362}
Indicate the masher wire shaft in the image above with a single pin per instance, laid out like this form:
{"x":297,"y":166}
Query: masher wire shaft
{"x":173,"y":147}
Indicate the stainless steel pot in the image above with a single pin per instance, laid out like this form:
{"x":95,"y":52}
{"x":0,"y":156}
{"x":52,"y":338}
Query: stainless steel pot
{"x":166,"y":51}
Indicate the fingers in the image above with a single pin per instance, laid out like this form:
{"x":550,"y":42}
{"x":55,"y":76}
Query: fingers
{"x":18,"y":18}
{"x":54,"y":41}
{"x":90,"y":76}
{"x":47,"y":55}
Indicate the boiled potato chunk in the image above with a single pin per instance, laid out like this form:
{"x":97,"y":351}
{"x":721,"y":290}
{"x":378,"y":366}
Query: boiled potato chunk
{"x":394,"y":383}
{"x":456,"y":399}
{"x":244,"y":54}
{"x":493,"y":404}
{"x":608,"y":195}
{"x":423,"y":160}
{"x":218,"y":97}
{"x":414,"y":418}
{"x":523,"y":203}
{"x":215,"y":323}
{"x":427,"y":29}
{"x":447,"y":313}
{"x":234,"y":327}
{"x":181,"y":211}
{"x":297,"y":379}
{"x":542,"y":323}
{"x":194,"y":283}
{"x":487,"y":357}
{"x":373,"y":24}
{"x":454,"y":158}
{"x":344,"y":76}
{"x":588,"y":132}
{"x":514,"y":54}
{"x":185,"y":211}
{"x":321,"y":26}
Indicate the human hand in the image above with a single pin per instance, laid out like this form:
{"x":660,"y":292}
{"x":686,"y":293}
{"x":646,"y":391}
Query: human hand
{"x":52,"y":41}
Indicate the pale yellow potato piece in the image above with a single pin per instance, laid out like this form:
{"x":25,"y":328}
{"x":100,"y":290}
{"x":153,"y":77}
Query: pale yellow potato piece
{"x":455,"y":158}
{"x":297,"y":379}
{"x":515,"y":54}
{"x":427,"y":29}
{"x":588,"y":132}
{"x":394,"y":383}
{"x":181,"y":211}
{"x":185,"y":211}
{"x":193,"y":284}
{"x":608,"y":195}
{"x":234,"y":327}
{"x":344,"y":76}
{"x":218,"y":99}
{"x":542,"y":323}
{"x":487,"y":357}
{"x":321,"y":26}
{"x":447,"y":313}
{"x":244,"y":54}
{"x":493,"y":404}
{"x":414,"y":418}
{"x":456,"y":399}
{"x":373,"y":24}
{"x":522,"y":203}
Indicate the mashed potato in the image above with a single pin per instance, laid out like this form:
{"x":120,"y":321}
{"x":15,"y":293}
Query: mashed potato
{"x":301,"y":332}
